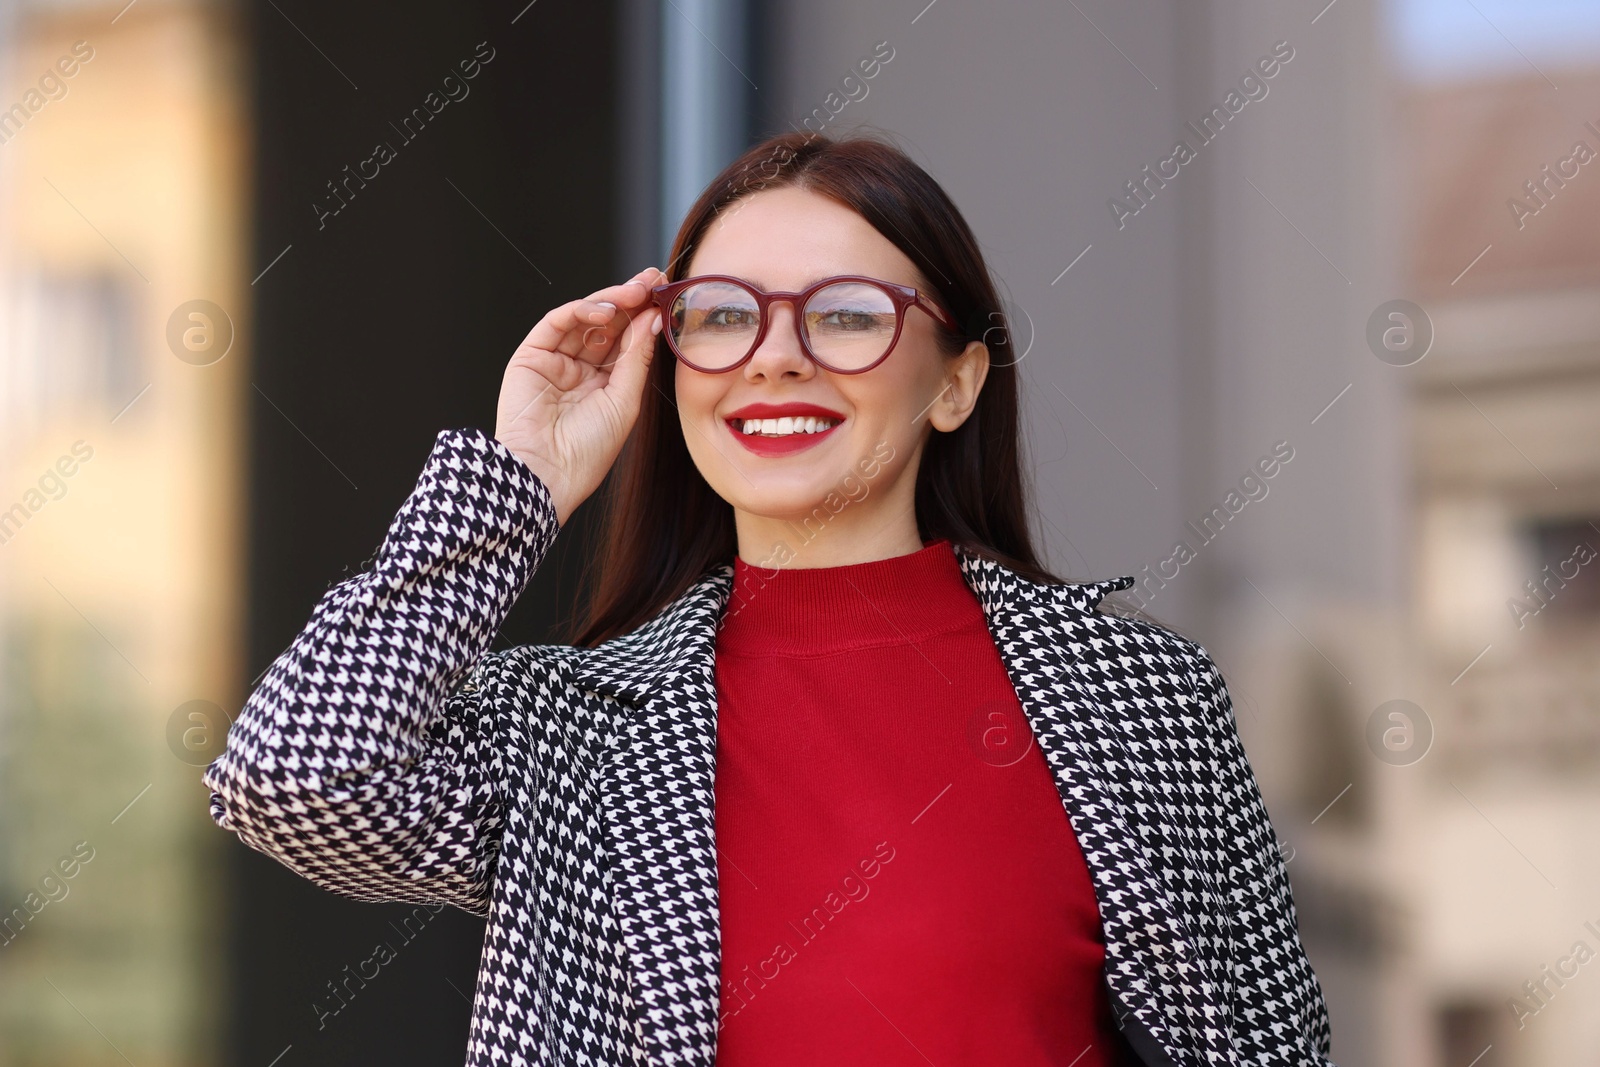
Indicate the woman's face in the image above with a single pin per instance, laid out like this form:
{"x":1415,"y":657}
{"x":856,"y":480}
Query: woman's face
{"x":786,"y":239}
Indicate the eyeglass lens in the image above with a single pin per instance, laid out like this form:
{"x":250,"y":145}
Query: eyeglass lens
{"x":849,"y":325}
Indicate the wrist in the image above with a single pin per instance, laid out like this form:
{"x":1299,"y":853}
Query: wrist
{"x":554,"y":485}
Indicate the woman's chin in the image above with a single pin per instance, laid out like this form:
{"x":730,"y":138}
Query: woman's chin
{"x":784,"y":500}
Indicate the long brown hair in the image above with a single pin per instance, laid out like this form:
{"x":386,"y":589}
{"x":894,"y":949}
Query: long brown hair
{"x":664,"y":526}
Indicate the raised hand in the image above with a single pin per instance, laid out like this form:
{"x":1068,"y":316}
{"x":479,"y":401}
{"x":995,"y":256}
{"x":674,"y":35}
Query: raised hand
{"x":572,"y":390}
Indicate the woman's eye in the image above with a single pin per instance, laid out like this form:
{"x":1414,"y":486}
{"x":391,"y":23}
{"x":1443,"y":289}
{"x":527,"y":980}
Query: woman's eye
{"x":730,"y":316}
{"x":850,"y":320}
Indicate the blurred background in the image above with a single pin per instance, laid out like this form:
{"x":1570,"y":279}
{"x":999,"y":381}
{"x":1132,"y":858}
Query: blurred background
{"x":253,"y":256}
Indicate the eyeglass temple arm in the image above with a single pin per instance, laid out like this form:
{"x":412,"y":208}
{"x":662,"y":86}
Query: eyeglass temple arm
{"x":937,"y":312}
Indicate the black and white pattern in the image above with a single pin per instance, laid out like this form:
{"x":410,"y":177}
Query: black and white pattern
{"x":566,"y":793}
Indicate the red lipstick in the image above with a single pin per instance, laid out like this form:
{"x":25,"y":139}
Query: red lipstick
{"x":789,"y":443}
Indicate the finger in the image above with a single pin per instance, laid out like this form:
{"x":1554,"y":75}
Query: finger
{"x":570,"y":328}
{"x":627,"y":381}
{"x":598,"y":337}
{"x":560,"y":369}
{"x":611,"y":319}
{"x":595,"y":311}
{"x":633,"y":292}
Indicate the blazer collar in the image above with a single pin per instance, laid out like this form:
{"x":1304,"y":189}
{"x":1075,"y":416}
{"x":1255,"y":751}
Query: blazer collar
{"x":681,"y":639}
{"x":657,"y":794}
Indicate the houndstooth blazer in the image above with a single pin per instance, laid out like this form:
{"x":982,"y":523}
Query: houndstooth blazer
{"x":565,"y":794}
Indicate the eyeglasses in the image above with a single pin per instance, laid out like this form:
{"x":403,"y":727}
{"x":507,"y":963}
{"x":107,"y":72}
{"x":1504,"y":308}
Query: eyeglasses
{"x":846,"y":324}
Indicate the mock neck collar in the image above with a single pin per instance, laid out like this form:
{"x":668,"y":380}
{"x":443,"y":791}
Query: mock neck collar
{"x":819,"y":610}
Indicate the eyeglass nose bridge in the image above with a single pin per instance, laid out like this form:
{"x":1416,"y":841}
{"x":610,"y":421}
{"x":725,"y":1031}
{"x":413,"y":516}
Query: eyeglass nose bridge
{"x":764,"y":303}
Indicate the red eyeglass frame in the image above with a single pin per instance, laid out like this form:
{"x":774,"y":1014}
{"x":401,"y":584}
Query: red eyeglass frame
{"x":903,"y":297}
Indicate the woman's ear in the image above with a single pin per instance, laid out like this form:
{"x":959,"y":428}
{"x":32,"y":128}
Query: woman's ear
{"x":964,"y":375}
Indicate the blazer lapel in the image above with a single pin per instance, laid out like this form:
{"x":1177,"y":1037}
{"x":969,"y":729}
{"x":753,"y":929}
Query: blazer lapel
{"x":657,"y":795}
{"x":1043,"y":633}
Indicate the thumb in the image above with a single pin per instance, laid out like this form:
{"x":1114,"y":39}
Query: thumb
{"x":632,"y":368}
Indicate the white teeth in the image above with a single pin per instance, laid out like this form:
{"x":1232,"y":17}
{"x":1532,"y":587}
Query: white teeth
{"x":789,"y":424}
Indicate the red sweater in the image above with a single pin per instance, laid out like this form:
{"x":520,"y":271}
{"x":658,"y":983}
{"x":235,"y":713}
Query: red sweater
{"x":899,"y":881}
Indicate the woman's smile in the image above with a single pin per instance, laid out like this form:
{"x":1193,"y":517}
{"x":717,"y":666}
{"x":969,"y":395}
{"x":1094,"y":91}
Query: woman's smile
{"x":782,"y":429}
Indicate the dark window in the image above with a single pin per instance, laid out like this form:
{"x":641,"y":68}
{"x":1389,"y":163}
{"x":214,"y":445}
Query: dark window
{"x":1471,"y":1034}
{"x":1565,"y":572}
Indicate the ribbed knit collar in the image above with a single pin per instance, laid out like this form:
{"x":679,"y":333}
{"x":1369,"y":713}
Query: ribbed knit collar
{"x":816,"y":610}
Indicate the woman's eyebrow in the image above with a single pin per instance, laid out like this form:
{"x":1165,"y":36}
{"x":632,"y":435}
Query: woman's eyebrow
{"x":729,"y":274}
{"x":808,"y":283}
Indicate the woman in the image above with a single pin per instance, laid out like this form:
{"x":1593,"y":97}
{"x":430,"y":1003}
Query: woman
{"x":835,"y":771}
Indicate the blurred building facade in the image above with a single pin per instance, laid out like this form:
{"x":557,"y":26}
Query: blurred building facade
{"x":123,"y":198}
{"x":1496,"y":867}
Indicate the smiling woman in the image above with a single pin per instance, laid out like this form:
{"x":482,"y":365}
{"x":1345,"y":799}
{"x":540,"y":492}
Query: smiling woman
{"x":691,"y":492}
{"x":648,"y":814}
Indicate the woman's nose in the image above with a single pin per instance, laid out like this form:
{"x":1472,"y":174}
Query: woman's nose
{"x":779,"y":354}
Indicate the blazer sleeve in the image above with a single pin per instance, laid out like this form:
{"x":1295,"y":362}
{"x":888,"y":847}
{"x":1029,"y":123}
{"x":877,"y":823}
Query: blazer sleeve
{"x":366,"y":760}
{"x":1279,"y":1014}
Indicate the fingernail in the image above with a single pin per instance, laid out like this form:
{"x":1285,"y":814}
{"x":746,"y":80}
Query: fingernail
{"x":606,"y":304}
{"x":655,"y":327}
